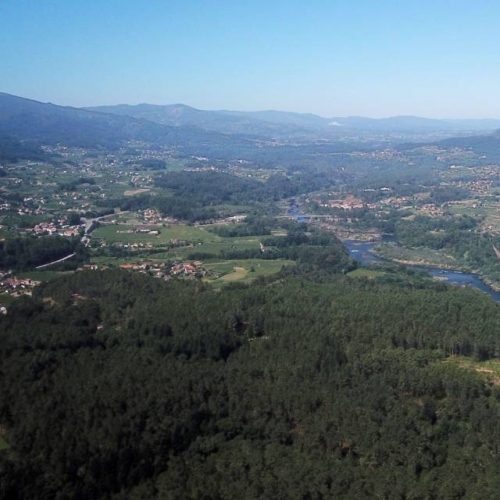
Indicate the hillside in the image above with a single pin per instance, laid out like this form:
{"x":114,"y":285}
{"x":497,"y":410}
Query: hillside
{"x":285,"y":124}
{"x":194,"y":130}
{"x":481,"y":144}
{"x":26,"y":119}
{"x":229,"y":122}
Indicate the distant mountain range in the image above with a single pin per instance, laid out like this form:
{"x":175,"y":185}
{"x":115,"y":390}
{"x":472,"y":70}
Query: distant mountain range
{"x":26,"y":119}
{"x":194,"y":131}
{"x":263,"y":124}
{"x":266,"y":123}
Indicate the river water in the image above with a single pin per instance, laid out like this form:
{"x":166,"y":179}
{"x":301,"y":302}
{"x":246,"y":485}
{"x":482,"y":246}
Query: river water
{"x":296,"y":214}
{"x":362,"y":251}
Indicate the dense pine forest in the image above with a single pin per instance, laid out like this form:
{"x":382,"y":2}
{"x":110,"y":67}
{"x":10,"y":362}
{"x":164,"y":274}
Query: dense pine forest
{"x":116,"y":385}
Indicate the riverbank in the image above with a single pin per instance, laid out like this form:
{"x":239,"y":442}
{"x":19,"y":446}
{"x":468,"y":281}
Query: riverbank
{"x":457,"y":269}
{"x":492,"y":284}
{"x":447,"y":269}
{"x":364,"y":253}
{"x":429,"y":258}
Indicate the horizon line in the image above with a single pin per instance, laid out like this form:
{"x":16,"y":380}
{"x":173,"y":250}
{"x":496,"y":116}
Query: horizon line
{"x":260,"y":110}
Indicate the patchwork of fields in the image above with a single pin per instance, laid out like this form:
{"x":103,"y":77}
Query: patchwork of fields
{"x":127,"y":234}
{"x":181,"y":242}
{"x":489,"y":211}
{"x":244,"y":270}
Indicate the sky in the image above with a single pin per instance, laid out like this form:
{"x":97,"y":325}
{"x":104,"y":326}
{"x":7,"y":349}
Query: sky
{"x":377,"y":58}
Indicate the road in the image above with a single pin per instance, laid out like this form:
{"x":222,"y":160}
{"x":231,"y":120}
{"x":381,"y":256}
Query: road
{"x":88,"y":228}
{"x":56,"y":261}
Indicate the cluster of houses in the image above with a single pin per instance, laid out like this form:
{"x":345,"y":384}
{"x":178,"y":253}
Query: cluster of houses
{"x":348,"y":203}
{"x":139,"y":230}
{"x":138,"y":267}
{"x":188,"y":269}
{"x":192,"y":269}
{"x":132,"y":246}
{"x":431,"y":209}
{"x":16,"y":287}
{"x":52,"y":228}
{"x":28,"y":211}
{"x":151,"y":216}
{"x":235,"y":219}
{"x":146,"y":230}
{"x":397,"y":201}
{"x":481,"y":186}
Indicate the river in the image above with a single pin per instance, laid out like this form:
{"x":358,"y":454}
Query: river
{"x":362,"y":251}
{"x":295,"y":213}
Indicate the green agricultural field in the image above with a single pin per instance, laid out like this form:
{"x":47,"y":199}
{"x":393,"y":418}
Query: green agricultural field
{"x":244,"y":270}
{"x":215,"y":247}
{"x":489,"y":211}
{"x":43,"y":275}
{"x":119,"y":233}
{"x":201,"y":241}
{"x":130,"y":218}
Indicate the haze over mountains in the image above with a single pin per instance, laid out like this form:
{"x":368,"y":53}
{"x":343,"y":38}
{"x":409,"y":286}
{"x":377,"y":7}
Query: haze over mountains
{"x":195,"y":130}
{"x":26,"y":119}
{"x":266,"y":122}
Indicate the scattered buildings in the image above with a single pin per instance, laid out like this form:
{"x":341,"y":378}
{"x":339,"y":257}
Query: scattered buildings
{"x":16,"y":287}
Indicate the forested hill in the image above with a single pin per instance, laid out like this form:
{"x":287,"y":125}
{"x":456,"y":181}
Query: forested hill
{"x":279,"y":123}
{"x":29,"y":120}
{"x":118,"y":385}
{"x":226,"y":122}
{"x":11,"y":150}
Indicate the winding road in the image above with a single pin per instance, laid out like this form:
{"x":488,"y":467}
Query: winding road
{"x":56,"y":261}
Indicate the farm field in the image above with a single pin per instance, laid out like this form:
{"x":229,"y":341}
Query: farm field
{"x":125,"y":234}
{"x":199,"y":239}
{"x":43,"y":275}
{"x":489,"y":210}
{"x":134,"y":192}
{"x":215,"y":247}
{"x":244,"y":270}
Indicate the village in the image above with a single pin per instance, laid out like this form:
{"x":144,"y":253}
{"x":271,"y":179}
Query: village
{"x":70,"y":199}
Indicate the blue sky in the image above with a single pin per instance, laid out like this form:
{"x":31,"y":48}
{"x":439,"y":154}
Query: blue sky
{"x":335,"y":58}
